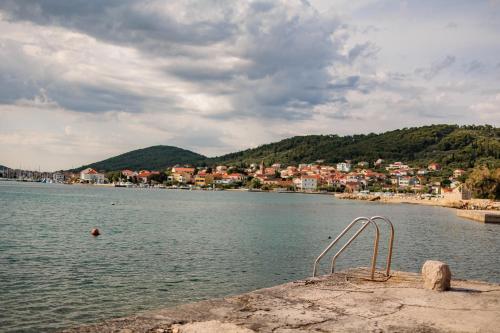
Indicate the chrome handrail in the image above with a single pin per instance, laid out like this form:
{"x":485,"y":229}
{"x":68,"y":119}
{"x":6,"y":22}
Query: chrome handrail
{"x":391,"y":242}
{"x":375,"y":247}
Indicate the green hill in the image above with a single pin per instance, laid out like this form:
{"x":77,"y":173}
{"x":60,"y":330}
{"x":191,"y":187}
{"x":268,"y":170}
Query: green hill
{"x":450,"y":145}
{"x":151,"y":158}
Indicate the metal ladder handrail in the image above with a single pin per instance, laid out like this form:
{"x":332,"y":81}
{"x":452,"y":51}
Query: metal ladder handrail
{"x":375,"y":246}
{"x":391,"y":242}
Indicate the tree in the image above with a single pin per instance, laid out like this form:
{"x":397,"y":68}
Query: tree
{"x":255,"y":183}
{"x":484,"y":183}
{"x":114,"y":176}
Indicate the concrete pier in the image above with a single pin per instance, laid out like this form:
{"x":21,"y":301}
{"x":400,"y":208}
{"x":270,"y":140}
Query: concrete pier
{"x":342,"y":302}
{"x":483,"y":216}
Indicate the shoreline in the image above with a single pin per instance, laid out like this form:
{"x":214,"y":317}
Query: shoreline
{"x":473,"y":204}
{"x":341,"y":302}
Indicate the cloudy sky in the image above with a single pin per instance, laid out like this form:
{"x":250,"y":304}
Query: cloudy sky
{"x":84,"y":80}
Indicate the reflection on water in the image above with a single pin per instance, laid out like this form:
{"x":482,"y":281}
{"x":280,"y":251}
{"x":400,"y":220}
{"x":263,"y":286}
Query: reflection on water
{"x":160,"y":248}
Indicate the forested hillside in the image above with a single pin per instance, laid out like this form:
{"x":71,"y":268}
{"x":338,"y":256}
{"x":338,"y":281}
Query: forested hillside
{"x":451,"y":145}
{"x":151,"y":158}
{"x":456,"y":146}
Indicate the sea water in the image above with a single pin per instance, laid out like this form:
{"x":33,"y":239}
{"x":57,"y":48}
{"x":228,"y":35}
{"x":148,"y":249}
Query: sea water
{"x":160,"y":248}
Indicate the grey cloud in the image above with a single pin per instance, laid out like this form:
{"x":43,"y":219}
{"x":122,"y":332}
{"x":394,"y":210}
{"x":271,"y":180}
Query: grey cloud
{"x":346,"y":83}
{"x":366,"y":50}
{"x":23,"y":77}
{"x":20,"y":76}
{"x":285,"y":53}
{"x":473,"y":66}
{"x":125,"y":22}
{"x":341,"y":109}
{"x":202,"y":73}
{"x":451,"y":25}
{"x":437,"y":67}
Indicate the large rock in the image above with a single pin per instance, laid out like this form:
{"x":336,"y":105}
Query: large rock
{"x":436,"y":275}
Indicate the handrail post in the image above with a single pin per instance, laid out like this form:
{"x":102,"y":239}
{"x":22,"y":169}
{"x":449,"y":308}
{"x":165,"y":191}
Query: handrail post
{"x":391,"y":242}
{"x":316,"y":262}
{"x":375,"y":250}
{"x":375,"y":247}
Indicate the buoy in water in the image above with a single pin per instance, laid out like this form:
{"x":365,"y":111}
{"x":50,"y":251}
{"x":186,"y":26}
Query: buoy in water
{"x":329,"y":237}
{"x":95,"y":232}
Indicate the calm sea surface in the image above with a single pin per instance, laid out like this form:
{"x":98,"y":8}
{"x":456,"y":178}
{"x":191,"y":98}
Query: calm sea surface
{"x":160,"y":248}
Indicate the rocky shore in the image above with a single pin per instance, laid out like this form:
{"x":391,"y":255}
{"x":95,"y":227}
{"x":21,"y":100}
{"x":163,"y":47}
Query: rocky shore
{"x":341,"y":302}
{"x":474,"y":204}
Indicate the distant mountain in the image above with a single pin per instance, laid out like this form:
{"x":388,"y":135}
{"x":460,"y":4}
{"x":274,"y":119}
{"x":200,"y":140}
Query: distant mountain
{"x":451,"y":145}
{"x":151,"y":158}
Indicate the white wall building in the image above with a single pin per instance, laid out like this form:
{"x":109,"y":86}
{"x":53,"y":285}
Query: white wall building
{"x":344,"y":167}
{"x":92,"y":176}
{"x":306,"y":183}
{"x":58,"y":177}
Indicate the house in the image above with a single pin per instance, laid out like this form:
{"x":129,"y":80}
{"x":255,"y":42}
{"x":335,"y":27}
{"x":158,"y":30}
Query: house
{"x":363,"y":164}
{"x":306,"y":183}
{"x":434,"y":167}
{"x":221,"y":169}
{"x":92,"y":176}
{"x":204,"y":179}
{"x":182,"y":178}
{"x":344,"y":167}
{"x":378,"y":162}
{"x":236,"y":177}
{"x":58,"y":177}
{"x":271,"y":181}
{"x":183,"y":170}
{"x":397,"y":165}
{"x":182,"y":175}
{"x":143,"y":175}
{"x":404,"y":181}
{"x":128,"y":173}
{"x":399,"y":172}
{"x":436,"y":188}
{"x":353,"y":177}
{"x":422,"y":172}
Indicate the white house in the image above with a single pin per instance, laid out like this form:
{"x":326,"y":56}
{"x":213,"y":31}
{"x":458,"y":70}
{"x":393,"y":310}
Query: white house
{"x":403,"y":181}
{"x":306,"y":183}
{"x":344,"y":167}
{"x":92,"y":176}
{"x":397,"y":165}
{"x":58,"y":177}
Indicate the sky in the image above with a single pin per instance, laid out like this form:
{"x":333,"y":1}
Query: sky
{"x":84,"y":80}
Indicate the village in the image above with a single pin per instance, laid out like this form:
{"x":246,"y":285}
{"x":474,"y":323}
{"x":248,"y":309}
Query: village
{"x":317,"y":177}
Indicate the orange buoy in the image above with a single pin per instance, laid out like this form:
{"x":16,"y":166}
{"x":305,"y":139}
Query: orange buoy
{"x":95,"y":232}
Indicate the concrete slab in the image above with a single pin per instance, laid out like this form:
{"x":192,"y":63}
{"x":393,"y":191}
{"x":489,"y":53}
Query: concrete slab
{"x":483,"y":216}
{"x":342,"y":302}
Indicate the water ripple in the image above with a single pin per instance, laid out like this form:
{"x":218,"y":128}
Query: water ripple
{"x":162,"y":248}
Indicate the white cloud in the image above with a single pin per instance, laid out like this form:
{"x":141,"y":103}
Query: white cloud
{"x":81,"y":83}
{"x":488,"y":110}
